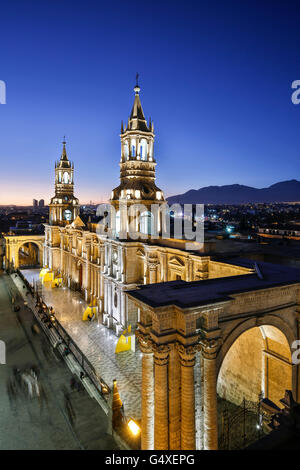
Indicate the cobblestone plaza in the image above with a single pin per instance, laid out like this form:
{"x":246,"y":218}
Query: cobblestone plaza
{"x":97,"y":343}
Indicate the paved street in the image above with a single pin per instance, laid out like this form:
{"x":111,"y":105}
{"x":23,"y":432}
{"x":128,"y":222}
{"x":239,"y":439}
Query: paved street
{"x":24,"y":425}
{"x":98,"y":343}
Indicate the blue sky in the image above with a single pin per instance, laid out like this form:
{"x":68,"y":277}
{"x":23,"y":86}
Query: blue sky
{"x":215,"y":77}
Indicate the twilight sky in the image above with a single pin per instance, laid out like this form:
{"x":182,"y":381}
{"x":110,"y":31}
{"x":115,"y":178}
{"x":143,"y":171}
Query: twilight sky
{"x":215,"y":77}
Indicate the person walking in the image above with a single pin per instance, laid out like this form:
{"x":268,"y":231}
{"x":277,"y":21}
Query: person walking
{"x":69,"y":408}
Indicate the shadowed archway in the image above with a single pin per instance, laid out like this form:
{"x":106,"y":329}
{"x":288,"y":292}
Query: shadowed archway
{"x":29,"y":255}
{"x":257,"y":365}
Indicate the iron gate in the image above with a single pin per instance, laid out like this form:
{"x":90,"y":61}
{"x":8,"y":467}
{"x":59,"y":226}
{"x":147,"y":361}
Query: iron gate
{"x":243,"y":426}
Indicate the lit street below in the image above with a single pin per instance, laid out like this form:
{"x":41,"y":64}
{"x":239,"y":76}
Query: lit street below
{"x":31,"y":423}
{"x":97,"y":342}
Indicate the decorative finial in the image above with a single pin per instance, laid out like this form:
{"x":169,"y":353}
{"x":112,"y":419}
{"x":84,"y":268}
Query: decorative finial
{"x":64,"y":141}
{"x":137,"y":88}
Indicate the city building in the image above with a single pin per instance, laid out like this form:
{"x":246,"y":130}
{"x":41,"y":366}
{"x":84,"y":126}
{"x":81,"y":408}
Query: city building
{"x":107,"y":265}
{"x":206,"y":328}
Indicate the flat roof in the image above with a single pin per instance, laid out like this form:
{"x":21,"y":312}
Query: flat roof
{"x":196,"y":293}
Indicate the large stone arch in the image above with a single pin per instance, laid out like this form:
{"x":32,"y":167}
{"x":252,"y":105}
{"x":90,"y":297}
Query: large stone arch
{"x":13,"y":245}
{"x":29,"y":254}
{"x":257,"y":352}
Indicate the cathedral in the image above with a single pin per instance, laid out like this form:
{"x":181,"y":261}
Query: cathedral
{"x":104,"y":266}
{"x":208,"y":330}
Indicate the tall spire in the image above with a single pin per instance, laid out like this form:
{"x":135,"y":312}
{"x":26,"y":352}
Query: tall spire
{"x":64,"y":206}
{"x":64,"y":152}
{"x":64,"y":161}
{"x":137,"y":117}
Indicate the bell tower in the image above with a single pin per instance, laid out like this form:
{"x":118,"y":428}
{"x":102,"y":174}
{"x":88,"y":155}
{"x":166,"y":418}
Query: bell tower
{"x":137,"y":169}
{"x":64,"y":206}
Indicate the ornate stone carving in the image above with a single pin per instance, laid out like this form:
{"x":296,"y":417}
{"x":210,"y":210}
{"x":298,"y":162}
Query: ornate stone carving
{"x":152,"y":266}
{"x":187,"y":354}
{"x":161,"y":354}
{"x":209,"y":347}
{"x":146,"y":344}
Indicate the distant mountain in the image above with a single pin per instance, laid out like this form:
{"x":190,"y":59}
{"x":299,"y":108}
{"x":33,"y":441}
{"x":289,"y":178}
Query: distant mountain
{"x":285,"y":191}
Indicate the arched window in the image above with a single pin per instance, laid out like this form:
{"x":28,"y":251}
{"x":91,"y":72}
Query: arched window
{"x":126,"y":150}
{"x":143,"y":149}
{"x":151,"y":150}
{"x":68,"y":214}
{"x":145,"y":223}
{"x":118,"y":223}
{"x":133,"y":147}
{"x":66,"y":178}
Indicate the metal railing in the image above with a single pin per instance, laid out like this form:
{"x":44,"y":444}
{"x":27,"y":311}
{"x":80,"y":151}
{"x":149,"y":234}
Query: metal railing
{"x":42,"y":312}
{"x":64,"y":336}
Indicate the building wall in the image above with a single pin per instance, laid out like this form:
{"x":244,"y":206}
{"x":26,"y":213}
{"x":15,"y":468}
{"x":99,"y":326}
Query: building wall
{"x":236,"y":348}
{"x":217,"y":269}
{"x":110,"y":267}
{"x":258,"y":361}
{"x":13,"y":245}
{"x":242,"y":369}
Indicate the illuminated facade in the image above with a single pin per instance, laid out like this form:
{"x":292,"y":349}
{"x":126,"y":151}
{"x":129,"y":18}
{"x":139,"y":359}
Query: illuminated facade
{"x":105,"y":267}
{"x":218,"y":329}
{"x":64,"y":206}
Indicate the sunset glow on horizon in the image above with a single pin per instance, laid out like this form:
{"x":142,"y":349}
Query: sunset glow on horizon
{"x":220,"y":101}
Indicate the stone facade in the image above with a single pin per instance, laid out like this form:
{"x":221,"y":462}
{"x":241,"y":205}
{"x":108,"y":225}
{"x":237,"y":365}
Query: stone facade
{"x":104,"y":269}
{"x":236,"y":348}
{"x":104,"y":263}
{"x":210,"y":342}
{"x":13,"y":244}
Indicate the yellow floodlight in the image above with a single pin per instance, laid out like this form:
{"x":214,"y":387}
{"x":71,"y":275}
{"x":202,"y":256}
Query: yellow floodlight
{"x":133,"y":427}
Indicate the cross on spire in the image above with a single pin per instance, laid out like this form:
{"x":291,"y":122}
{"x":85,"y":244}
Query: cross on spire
{"x":137,"y":79}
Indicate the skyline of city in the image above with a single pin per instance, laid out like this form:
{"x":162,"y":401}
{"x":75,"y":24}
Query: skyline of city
{"x":216,"y":84}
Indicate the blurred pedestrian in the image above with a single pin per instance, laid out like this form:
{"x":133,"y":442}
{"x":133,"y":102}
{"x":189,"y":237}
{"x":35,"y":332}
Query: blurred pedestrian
{"x":69,"y":408}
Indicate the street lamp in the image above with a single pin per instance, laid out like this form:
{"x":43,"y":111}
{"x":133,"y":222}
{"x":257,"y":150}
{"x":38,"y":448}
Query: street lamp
{"x":133,"y":427}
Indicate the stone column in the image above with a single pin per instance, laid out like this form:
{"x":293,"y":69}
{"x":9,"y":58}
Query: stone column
{"x":95,"y":281}
{"x":105,"y":296}
{"x":145,"y":271}
{"x":101,"y":249}
{"x":147,"y":438}
{"x":61,"y":254}
{"x":187,"y":361}
{"x":123,"y":319}
{"x":98,"y":283}
{"x":161,"y":415}
{"x":123,"y":270}
{"x":174,"y":378}
{"x":210,"y":410}
{"x":152,"y":273}
{"x":109,"y":261}
{"x":101,"y":286}
{"x":123,"y":220}
{"x":88,"y":269}
{"x":91,"y":281}
{"x":109,"y":298}
{"x":105,"y":258}
{"x":164,"y":275}
{"x":199,"y":401}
